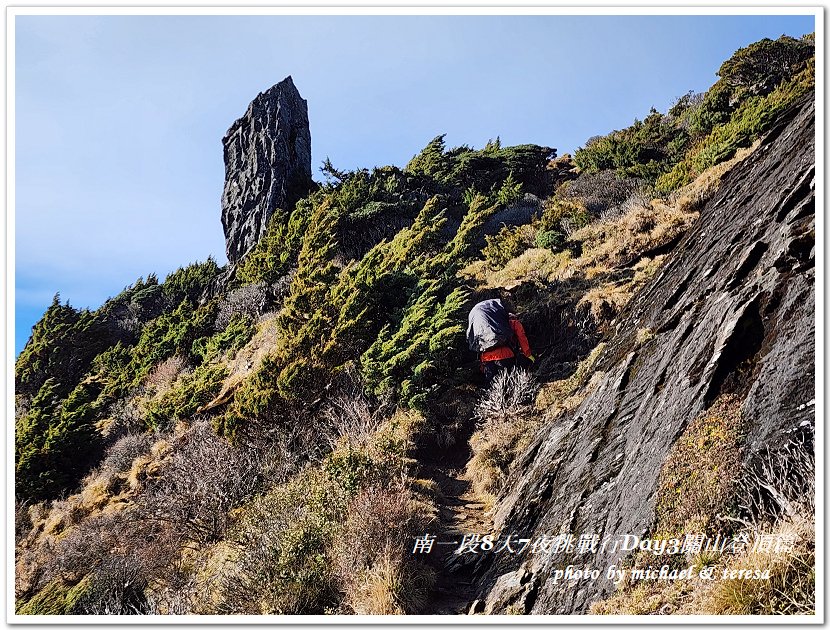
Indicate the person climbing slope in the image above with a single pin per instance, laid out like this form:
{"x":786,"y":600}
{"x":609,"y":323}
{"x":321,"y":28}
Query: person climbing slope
{"x":499,"y":338}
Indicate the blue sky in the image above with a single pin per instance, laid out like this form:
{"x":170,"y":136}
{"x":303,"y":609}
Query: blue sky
{"x":119,"y":119}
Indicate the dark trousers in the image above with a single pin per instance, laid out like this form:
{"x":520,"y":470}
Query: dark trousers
{"x":491,"y":368}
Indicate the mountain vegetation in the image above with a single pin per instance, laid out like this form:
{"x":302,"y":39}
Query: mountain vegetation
{"x":254,"y":439}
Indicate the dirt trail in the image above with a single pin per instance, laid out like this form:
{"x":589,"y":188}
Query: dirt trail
{"x":461,"y":512}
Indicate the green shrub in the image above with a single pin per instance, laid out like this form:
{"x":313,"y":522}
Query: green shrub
{"x":315,"y":271}
{"x":349,"y":469}
{"x":186,"y":396}
{"x":236,"y":334}
{"x":713,"y":111}
{"x":652,"y":149}
{"x":276,"y":252}
{"x":190,"y":282}
{"x":62,"y":346}
{"x":510,"y":191}
{"x":642,"y":150}
{"x":551,"y":239}
{"x":254,"y":396}
{"x":560,"y":215}
{"x":445,"y":264}
{"x":746,"y":123}
{"x":57,"y":442}
{"x":410,"y":359}
{"x":283,"y":538}
{"x":176,"y":332}
{"x":760,"y":67}
{"x":503,"y":247}
{"x":485,"y":170}
{"x":137,"y":304}
{"x":698,"y":479}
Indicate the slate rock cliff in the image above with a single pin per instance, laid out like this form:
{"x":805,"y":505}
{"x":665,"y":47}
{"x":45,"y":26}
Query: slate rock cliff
{"x":731,"y":312}
{"x":267,"y":165}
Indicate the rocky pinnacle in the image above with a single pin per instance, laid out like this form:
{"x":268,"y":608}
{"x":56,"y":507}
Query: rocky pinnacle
{"x":267,"y":165}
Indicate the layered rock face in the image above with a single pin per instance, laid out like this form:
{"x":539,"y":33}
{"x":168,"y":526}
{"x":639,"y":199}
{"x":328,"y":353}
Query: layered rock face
{"x":731,"y":312}
{"x":267,"y":165}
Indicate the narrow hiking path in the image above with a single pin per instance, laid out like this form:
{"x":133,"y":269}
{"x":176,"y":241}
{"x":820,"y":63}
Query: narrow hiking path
{"x":461,"y":511}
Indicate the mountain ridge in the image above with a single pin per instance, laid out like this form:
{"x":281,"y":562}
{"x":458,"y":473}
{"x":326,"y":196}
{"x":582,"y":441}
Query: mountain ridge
{"x":273,"y":436}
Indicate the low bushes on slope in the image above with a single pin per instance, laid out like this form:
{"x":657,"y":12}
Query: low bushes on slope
{"x":670,"y":150}
{"x":337,"y":536}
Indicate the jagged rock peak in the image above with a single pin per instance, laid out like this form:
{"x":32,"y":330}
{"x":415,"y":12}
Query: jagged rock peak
{"x":267,"y":164}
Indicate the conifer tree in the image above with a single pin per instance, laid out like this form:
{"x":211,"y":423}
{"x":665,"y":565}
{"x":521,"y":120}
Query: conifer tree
{"x":315,"y":271}
{"x":407,"y":359}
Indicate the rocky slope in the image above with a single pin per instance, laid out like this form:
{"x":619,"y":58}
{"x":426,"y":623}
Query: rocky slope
{"x":732,"y":312}
{"x":267,"y":164}
{"x":269,"y":437}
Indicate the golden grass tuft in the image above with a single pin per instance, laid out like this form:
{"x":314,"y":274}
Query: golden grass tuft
{"x":495,"y":446}
{"x":623,"y":240}
{"x":162,"y":376}
{"x":606,"y":300}
{"x":98,"y":490}
{"x":390,"y":588}
{"x":537,"y":265}
{"x":146,"y":466}
{"x":791,"y":587}
{"x":568,"y":393}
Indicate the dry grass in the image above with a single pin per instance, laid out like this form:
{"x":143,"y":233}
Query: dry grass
{"x":621,"y":241}
{"x":377,"y":572}
{"x":121,"y":454}
{"x":390,"y":588}
{"x":567,"y":394}
{"x":507,"y":425}
{"x":541,"y":266}
{"x":699,"y":477}
{"x":606,"y":300}
{"x":647,"y":226}
{"x":348,"y":414}
{"x":336,"y":536}
{"x":110,"y":488}
{"x":495,"y":448}
{"x":790,"y":590}
{"x":630,"y":237}
{"x":697,"y":192}
{"x":647,"y":598}
{"x":161,"y":378}
{"x":123,"y":417}
{"x":150,"y":465}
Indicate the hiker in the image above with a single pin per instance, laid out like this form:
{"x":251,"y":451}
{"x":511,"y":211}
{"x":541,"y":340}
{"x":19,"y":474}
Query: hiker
{"x":499,"y":338}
